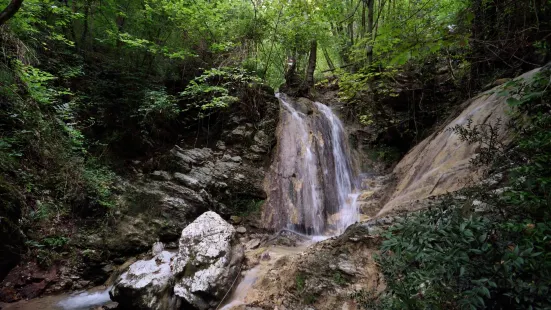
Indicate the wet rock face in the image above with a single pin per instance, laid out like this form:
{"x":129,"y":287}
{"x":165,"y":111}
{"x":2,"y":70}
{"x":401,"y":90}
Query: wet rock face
{"x":208,"y":261}
{"x":311,"y":176}
{"x":196,"y":277}
{"x":441,"y":163}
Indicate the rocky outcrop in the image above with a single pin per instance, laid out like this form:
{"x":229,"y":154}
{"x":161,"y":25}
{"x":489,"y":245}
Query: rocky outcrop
{"x":328,"y":275}
{"x":208,"y":261}
{"x":441,"y":163}
{"x":173,"y":189}
{"x":198,"y":276}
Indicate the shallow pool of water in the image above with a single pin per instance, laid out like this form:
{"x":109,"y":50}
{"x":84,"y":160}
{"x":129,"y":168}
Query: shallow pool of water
{"x":83,"y":300}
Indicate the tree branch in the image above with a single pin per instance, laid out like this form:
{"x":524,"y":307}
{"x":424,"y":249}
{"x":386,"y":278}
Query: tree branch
{"x":10,"y":10}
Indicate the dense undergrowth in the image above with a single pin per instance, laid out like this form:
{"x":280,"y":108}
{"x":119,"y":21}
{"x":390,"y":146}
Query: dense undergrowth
{"x":489,"y":246}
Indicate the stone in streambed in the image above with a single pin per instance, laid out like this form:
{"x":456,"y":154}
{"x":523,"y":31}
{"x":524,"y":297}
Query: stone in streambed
{"x":147,"y":284}
{"x":196,"y":277}
{"x":252,"y":244}
{"x":235,"y":219}
{"x":241,"y":229}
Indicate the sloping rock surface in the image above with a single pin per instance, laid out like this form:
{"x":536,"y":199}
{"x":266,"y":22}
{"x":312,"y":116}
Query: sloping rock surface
{"x":441,"y":163}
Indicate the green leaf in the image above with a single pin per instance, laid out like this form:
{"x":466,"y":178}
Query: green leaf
{"x":513,"y":102}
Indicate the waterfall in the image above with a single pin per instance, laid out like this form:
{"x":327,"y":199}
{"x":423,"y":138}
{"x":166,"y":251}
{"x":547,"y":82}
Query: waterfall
{"x":346,"y":194}
{"x":311,"y":185}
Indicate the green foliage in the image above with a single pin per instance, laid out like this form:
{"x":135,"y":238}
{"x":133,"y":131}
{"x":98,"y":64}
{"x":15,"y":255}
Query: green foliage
{"x":215,"y":89}
{"x":99,"y":185}
{"x":36,"y":82}
{"x":246,"y":207}
{"x":46,"y":251}
{"x":158,"y":106}
{"x":365,"y":82}
{"x":300,"y":281}
{"x":300,"y":286}
{"x":55,"y":242}
{"x":339,"y":279}
{"x":369,"y":300}
{"x":384,"y":154}
{"x":442,"y":259}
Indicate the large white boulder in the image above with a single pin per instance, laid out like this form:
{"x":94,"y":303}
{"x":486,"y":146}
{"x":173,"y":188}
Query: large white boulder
{"x":208,"y":261}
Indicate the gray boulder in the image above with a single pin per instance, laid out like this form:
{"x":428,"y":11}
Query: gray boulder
{"x":147,"y":284}
{"x":208,"y":261}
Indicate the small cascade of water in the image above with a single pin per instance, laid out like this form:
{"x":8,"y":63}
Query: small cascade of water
{"x":347,"y":196}
{"x":85,"y":300}
{"x":307,"y":166}
{"x":312,"y":186}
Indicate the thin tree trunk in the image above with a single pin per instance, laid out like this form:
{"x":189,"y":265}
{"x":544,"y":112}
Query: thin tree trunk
{"x":364,"y":27}
{"x":312,"y":63}
{"x":290,"y":72}
{"x":10,"y":10}
{"x":370,"y":9}
{"x":328,"y":60}
{"x":351,"y":32}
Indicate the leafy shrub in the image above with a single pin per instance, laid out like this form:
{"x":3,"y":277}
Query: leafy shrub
{"x":246,"y":206}
{"x":158,"y":106}
{"x":339,"y":279}
{"x":99,"y":185}
{"x":218,"y":89}
{"x":384,"y":154}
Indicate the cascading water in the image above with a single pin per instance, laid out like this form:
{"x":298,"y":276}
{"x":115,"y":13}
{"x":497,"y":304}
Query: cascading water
{"x":307,"y":165}
{"x":311,"y":185}
{"x":347,"y":196}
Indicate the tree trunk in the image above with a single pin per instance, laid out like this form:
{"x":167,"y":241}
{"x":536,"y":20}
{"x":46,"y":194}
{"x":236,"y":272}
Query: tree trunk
{"x":312,"y":63}
{"x":328,"y":60}
{"x":84,"y":35}
{"x":10,"y":10}
{"x":370,"y":9}
{"x":364,"y":26}
{"x":290,"y":71}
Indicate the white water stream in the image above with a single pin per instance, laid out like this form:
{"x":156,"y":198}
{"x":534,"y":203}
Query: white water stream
{"x":83,"y":300}
{"x":347,"y":195}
